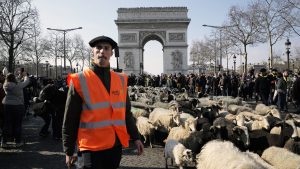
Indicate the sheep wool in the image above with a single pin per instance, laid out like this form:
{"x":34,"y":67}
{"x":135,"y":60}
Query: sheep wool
{"x":281,"y":158}
{"x":218,"y":154}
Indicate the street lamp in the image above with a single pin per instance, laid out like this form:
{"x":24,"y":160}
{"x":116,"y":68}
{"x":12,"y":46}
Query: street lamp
{"x":47,"y":64}
{"x":288,"y":47}
{"x":64,"y":32}
{"x":220,"y":29}
{"x":234,"y":62}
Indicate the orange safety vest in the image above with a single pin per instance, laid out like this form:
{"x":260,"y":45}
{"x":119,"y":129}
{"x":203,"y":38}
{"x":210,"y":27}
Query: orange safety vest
{"x":103,"y":113}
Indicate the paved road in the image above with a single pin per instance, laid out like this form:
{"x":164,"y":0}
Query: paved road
{"x":46,"y":153}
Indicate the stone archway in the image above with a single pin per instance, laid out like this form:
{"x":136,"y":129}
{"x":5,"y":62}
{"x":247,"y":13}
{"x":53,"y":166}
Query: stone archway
{"x":167,"y":25}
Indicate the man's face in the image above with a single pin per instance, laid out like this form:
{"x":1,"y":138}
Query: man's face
{"x":285,"y":74}
{"x":102,"y":53}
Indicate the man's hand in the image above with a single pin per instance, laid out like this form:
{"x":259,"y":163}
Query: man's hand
{"x":70,"y":160}
{"x":139,"y":146}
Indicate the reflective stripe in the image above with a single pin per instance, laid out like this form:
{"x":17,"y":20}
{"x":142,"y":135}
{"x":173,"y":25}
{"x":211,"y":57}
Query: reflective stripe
{"x":100,"y":105}
{"x":93,"y":125}
{"x":122,"y":79}
{"x":118,"y":105}
{"x":89,"y":106}
{"x":84,"y":87}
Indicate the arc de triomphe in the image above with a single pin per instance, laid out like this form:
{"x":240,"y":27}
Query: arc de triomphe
{"x":137,"y":26}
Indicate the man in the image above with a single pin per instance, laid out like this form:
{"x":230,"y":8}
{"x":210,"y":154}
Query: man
{"x":97,"y":112}
{"x":282,"y":90}
{"x":262,"y":86}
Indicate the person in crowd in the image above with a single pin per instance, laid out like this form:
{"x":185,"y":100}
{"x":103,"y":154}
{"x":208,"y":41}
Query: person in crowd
{"x":234,"y":85}
{"x":98,"y":112}
{"x":2,"y":95}
{"x":262,"y":86}
{"x":281,"y":87}
{"x":273,"y":78}
{"x":296,"y":92}
{"x":13,"y":109}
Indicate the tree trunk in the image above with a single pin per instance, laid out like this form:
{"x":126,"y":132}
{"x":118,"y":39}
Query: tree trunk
{"x":11,"y":60}
{"x":246,"y":58}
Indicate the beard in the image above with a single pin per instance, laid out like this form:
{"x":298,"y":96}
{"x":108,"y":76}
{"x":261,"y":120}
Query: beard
{"x":102,"y":61}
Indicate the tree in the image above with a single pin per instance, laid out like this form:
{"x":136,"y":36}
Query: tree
{"x":246,"y":30}
{"x":272,"y":23}
{"x":37,"y":48}
{"x":292,"y":17}
{"x":83,"y":51}
{"x":55,"y":48}
{"x":16,"y":22}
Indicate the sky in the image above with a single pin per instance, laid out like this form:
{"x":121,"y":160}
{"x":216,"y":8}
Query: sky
{"x":97,"y":17}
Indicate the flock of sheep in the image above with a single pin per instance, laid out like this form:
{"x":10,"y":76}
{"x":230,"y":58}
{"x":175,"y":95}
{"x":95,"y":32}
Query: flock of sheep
{"x":216,"y":133}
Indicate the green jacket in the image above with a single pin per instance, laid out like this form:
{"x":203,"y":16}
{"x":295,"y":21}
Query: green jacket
{"x":73,"y":110}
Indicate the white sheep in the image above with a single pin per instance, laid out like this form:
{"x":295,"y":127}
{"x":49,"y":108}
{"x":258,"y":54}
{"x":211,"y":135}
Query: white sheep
{"x":225,"y":101}
{"x":258,"y":124}
{"x":263,"y":110}
{"x":145,"y":128}
{"x":188,"y":121}
{"x":137,"y":112}
{"x":235,"y":109}
{"x":258,"y":159}
{"x":281,"y":158}
{"x":223,"y":154}
{"x":164,"y":119}
{"x":178,"y":153}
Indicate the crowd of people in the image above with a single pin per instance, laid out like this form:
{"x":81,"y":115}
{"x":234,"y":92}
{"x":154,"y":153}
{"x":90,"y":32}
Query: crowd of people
{"x":17,"y":91}
{"x":271,"y":87}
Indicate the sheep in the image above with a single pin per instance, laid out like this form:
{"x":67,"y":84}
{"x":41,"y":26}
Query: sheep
{"x":210,"y":112}
{"x":188,"y":121}
{"x":225,"y":101}
{"x":161,"y":105}
{"x":164,"y":119}
{"x":258,"y":124}
{"x":145,"y":128}
{"x":224,"y":129}
{"x":223,"y":154}
{"x":263,"y":110}
{"x":177,"y":152}
{"x":258,"y":159}
{"x":261,"y":139}
{"x":235,"y":109}
{"x":137,"y":112}
{"x":281,"y":158}
{"x":205,"y":102}
{"x":178,"y":133}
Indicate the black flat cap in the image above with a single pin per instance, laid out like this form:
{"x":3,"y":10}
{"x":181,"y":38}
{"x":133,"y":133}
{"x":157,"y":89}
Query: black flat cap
{"x":94,"y":41}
